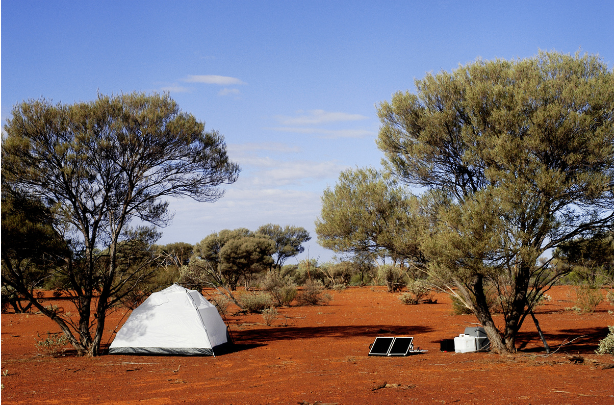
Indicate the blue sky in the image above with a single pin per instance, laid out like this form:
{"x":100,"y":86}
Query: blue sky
{"x":292,"y":85}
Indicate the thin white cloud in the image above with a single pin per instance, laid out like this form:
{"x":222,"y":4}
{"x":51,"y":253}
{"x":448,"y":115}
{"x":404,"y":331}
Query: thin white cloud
{"x":323,"y":133}
{"x":268,"y":172}
{"x":315,"y":117}
{"x":226,"y":91}
{"x":214,"y":80}
{"x":262,"y":146}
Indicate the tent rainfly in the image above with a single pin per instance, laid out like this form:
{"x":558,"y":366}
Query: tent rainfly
{"x":174,"y":321}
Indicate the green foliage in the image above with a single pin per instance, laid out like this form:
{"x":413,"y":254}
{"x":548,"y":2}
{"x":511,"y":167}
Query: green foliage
{"x":393,"y":276}
{"x":175,"y":254}
{"x":288,"y":241}
{"x":588,"y":260}
{"x":31,"y":248}
{"x":417,"y":290}
{"x":306,"y":270}
{"x":101,"y":165}
{"x":255,"y":302}
{"x":245,"y":257}
{"x":313,"y":294}
{"x":236,"y":255}
{"x":53,"y":345}
{"x":194,"y":277}
{"x":368,"y":212}
{"x":517,"y":159}
{"x":606,"y":346}
{"x":588,"y":297}
{"x":338,"y":274}
{"x":458,"y":307}
{"x":281,"y":288}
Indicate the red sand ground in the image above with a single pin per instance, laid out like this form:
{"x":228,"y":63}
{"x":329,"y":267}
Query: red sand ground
{"x":319,"y":355}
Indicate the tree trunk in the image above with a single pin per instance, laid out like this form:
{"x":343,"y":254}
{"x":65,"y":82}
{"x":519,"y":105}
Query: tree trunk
{"x":519,"y":303}
{"x":484,"y":316}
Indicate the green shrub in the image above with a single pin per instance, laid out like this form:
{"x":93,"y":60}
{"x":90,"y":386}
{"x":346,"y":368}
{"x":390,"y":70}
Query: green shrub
{"x":421,"y":290}
{"x":255,"y":302}
{"x":339,"y":274}
{"x":606,"y":346}
{"x":408,"y":298}
{"x":282,"y":288}
{"x":588,"y":297}
{"x":492,"y":301}
{"x":392,"y":276}
{"x":313,"y":294}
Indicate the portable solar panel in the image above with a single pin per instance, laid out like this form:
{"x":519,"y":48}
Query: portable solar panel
{"x":381,"y":346}
{"x":401,"y":346}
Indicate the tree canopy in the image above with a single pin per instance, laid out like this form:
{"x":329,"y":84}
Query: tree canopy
{"x":369,"y":213}
{"x":522,"y":155}
{"x":102,"y":164}
{"x":288,"y":240}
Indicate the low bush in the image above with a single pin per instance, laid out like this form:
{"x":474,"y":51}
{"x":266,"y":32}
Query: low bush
{"x":419,"y":290}
{"x":588,"y":297}
{"x":269,"y":315}
{"x":313,"y":294}
{"x":606,"y":346}
{"x":282,"y":288}
{"x":255,"y":302}
{"x":408,"y":298}
{"x":392,"y":276}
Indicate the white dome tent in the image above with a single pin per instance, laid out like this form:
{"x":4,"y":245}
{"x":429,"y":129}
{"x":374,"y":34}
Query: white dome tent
{"x":174,"y":321}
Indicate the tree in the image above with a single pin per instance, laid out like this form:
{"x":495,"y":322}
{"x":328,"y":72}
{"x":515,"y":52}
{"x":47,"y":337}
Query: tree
{"x":102,"y":164}
{"x":288,"y":241}
{"x":243,"y":257}
{"x":208,"y":249}
{"x":589,"y":257}
{"x":521,"y":154}
{"x":369,"y":213}
{"x":233,"y":254}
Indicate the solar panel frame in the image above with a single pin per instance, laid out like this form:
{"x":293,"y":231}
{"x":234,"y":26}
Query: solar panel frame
{"x":401,"y":346}
{"x":377,"y":347}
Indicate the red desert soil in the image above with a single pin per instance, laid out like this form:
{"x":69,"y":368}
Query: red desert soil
{"x":319,"y":355}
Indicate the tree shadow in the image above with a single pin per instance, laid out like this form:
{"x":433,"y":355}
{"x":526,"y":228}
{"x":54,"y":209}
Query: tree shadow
{"x":581,"y":340}
{"x":263,"y":336}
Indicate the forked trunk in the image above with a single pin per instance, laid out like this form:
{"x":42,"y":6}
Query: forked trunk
{"x":484,"y":316}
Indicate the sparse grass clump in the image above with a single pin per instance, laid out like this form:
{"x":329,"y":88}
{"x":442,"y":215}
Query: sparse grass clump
{"x":269,"y":315}
{"x":54,"y":345}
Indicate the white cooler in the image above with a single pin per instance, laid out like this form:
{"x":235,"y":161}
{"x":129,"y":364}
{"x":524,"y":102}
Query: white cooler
{"x":465,"y":343}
